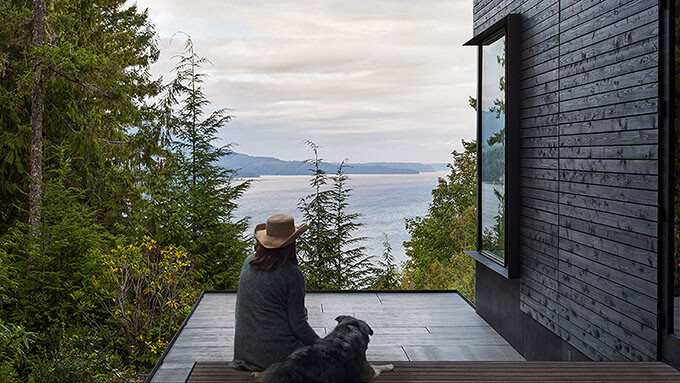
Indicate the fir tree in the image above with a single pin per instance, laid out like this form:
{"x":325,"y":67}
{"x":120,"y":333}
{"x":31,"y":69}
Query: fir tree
{"x":315,"y":247}
{"x":206,"y":190}
{"x":109,"y":177}
{"x":387,"y":274}
{"x":352,"y":267}
{"x":329,"y":251}
{"x":94,"y":64}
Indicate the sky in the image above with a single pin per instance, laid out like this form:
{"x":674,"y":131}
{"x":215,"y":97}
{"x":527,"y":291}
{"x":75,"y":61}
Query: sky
{"x":367,"y":80}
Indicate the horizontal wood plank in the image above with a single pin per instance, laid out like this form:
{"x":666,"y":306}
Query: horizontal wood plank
{"x":589,"y":170}
{"x":204,"y":372}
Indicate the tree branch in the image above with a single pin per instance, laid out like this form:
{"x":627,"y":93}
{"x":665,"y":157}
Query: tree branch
{"x":80,"y":82}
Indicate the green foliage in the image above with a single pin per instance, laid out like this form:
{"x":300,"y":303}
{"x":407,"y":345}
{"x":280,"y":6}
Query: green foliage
{"x":15,"y":341}
{"x":314,"y":247}
{"x":120,"y":170}
{"x":328,"y":251}
{"x":493,"y":158}
{"x":387,"y":274}
{"x":205,"y":191}
{"x":95,"y":59}
{"x":116,"y":169}
{"x":67,"y":250}
{"x":147,"y":290}
{"x":455,"y":273}
{"x":74,"y":354}
{"x":8,"y":281}
{"x":472,"y":101}
{"x":54,"y":287}
{"x":352,"y":268}
{"x":493,"y":163}
{"x":15,"y":130}
{"x":438,"y":240}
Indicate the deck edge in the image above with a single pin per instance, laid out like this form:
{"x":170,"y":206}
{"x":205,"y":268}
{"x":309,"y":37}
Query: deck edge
{"x":160,"y":360}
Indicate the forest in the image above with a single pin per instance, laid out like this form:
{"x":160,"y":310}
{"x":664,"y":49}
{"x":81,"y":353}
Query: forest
{"x":114,"y":213}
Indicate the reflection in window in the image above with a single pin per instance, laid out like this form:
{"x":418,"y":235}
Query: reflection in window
{"x":492,"y":162}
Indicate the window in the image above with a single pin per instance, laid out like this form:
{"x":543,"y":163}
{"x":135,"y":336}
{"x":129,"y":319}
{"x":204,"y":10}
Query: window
{"x":498,"y":146}
{"x":492,"y":150}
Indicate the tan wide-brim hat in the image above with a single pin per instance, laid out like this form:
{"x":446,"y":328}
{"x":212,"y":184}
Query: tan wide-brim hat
{"x":279,"y":231}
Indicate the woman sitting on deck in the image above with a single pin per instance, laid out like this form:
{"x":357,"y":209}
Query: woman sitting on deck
{"x":271,"y":318}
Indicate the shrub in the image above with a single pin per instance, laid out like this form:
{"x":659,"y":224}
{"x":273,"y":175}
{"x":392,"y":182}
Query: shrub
{"x":435,"y":250}
{"x":147,"y":290}
{"x":14,"y":344}
{"x":456,"y":273}
{"x":74,"y":354}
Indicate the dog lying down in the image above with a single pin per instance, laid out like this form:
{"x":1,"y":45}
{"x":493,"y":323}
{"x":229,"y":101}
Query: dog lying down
{"x":339,"y":357}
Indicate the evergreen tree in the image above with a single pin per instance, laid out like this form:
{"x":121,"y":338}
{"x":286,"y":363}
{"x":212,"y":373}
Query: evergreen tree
{"x":352,"y":269}
{"x":315,"y":247}
{"x":206,"y":191}
{"x":387,"y":275}
{"x":96,"y":145}
{"x":329,"y":251}
{"x":94,"y":64}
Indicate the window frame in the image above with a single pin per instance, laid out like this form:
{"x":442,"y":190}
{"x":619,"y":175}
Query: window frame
{"x":510,"y":27}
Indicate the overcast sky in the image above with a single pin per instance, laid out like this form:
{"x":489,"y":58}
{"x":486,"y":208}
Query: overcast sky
{"x":367,"y":80}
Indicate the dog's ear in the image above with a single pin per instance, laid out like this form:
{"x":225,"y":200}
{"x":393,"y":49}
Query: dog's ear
{"x":364,"y":327}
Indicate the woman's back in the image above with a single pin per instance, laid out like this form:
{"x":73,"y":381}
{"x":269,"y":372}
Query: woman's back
{"x":271,"y":320}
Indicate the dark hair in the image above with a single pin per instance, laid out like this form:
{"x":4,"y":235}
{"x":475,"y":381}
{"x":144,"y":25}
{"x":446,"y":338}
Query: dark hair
{"x":272,"y":259}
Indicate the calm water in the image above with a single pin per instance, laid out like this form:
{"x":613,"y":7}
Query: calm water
{"x":383,"y":200}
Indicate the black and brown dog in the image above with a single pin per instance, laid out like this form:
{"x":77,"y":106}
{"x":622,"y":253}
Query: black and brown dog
{"x":339,"y":357}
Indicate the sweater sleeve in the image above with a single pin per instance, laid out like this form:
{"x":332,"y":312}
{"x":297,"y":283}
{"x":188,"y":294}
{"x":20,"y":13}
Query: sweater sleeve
{"x":297,"y":313}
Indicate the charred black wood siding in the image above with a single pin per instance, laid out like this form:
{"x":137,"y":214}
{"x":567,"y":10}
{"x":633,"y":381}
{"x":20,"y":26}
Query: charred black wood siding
{"x":589,"y":170}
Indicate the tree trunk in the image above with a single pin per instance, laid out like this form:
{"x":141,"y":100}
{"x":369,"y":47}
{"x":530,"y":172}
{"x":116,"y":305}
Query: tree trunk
{"x":35,"y":191}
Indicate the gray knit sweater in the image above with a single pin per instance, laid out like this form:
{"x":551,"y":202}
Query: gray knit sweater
{"x":271,"y":318}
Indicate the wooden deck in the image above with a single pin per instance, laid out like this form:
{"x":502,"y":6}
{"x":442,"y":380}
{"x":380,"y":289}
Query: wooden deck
{"x":407,"y":326}
{"x":213,"y":372}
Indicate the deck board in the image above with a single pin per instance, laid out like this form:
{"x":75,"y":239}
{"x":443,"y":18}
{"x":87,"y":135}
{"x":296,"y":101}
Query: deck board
{"x":407,"y":327}
{"x":204,"y":372}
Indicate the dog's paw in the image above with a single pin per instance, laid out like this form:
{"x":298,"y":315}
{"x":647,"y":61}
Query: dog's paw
{"x":255,"y":374}
{"x":383,"y":368}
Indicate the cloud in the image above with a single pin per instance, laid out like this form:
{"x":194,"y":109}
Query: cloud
{"x":368,"y":80}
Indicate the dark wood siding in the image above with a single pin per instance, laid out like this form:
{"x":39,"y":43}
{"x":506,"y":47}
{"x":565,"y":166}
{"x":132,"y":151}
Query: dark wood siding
{"x":589,"y":170}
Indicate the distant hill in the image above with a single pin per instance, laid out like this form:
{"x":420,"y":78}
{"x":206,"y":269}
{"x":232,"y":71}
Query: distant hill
{"x":251,"y":166}
{"x":439,"y":167}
